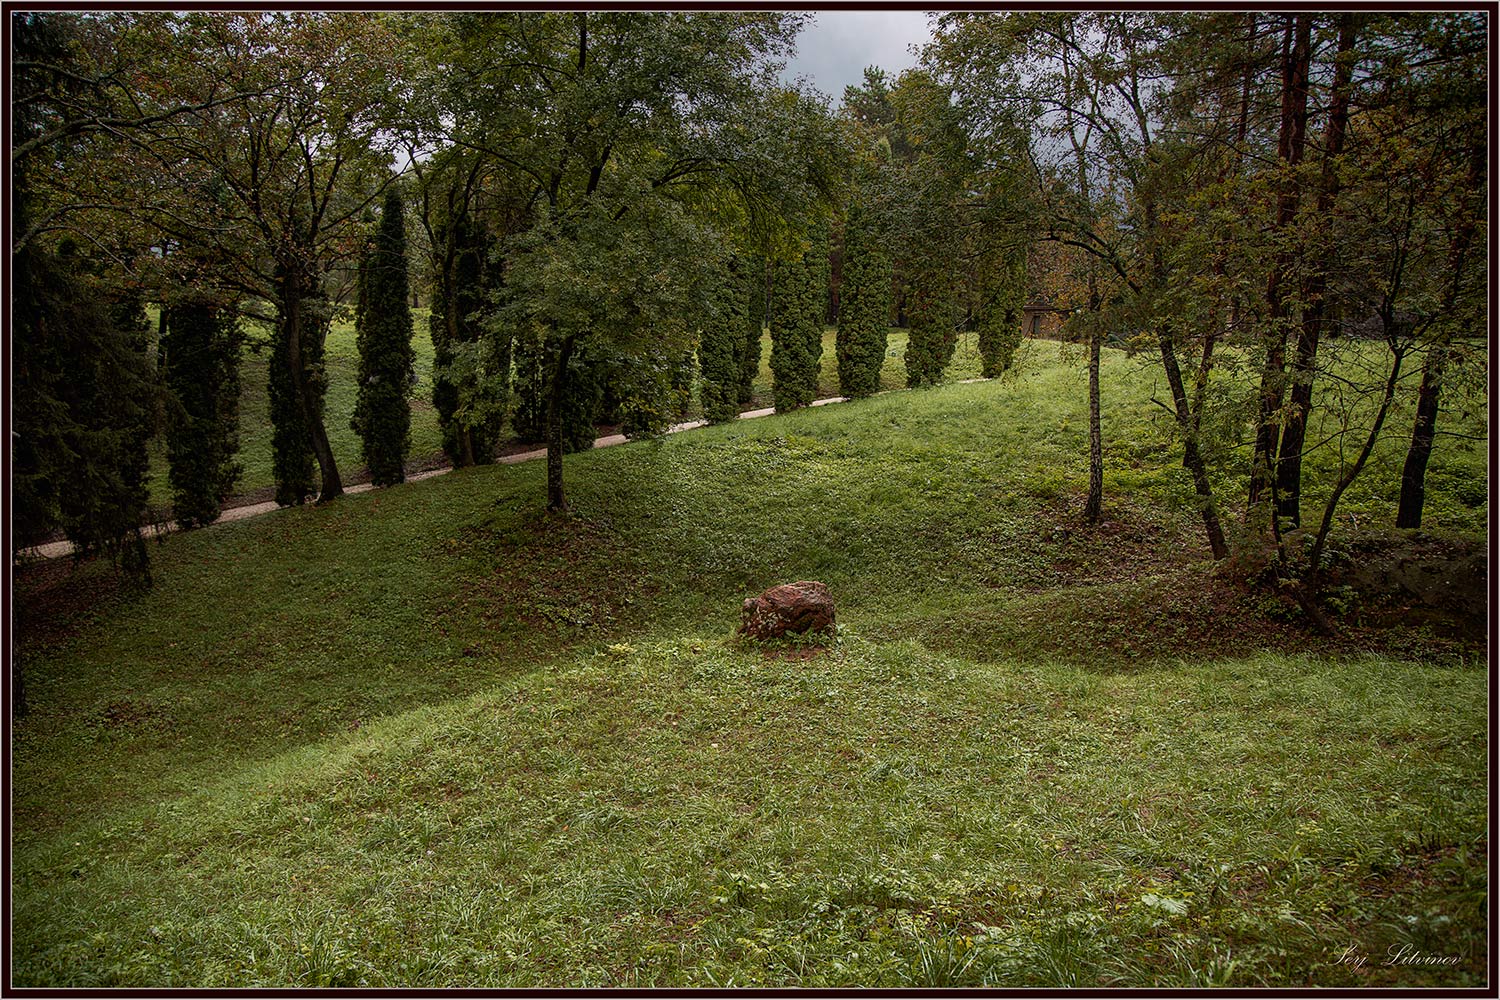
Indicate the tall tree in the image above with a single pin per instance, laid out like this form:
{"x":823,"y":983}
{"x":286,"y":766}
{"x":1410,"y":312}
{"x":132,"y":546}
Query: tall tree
{"x":382,"y":415}
{"x":865,"y":306}
{"x":85,"y":389}
{"x":200,"y":359}
{"x":624,"y":130}
{"x":797,"y":325}
{"x":1296,"y":53}
{"x":722,"y":346}
{"x":270,"y":186}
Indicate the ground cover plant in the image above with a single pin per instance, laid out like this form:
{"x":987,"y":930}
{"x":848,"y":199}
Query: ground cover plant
{"x":433,"y":736}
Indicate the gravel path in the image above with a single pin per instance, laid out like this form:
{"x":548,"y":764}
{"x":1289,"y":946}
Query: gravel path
{"x":52,"y":550}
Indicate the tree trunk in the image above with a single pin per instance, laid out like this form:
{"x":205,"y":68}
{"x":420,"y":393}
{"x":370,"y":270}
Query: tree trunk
{"x":1096,"y":440}
{"x":1414,"y":472}
{"x":465,"y":448}
{"x":1295,"y":47}
{"x":1192,"y":459}
{"x":1294,"y":434}
{"x":331,"y":486}
{"x":555,"y":499}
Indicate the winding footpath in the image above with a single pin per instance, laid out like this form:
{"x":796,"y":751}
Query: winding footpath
{"x":53,"y":550}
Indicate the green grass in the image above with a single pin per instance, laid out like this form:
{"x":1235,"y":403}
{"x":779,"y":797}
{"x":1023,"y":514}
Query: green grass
{"x":429,"y":736}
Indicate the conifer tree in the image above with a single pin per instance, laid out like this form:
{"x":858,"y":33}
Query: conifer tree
{"x":797,"y":326}
{"x":723,"y":345}
{"x":84,"y":395}
{"x":865,"y":306}
{"x":1000,"y":318}
{"x":933,"y":334}
{"x":200,"y":348}
{"x":382,"y":416}
{"x":291,"y":439}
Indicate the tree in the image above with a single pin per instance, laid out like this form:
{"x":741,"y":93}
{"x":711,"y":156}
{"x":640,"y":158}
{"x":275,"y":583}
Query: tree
{"x":85,"y":392}
{"x":465,"y":210}
{"x":797,"y":326}
{"x":722,"y":346}
{"x":933,"y":312}
{"x":999,"y":319}
{"x":1090,"y":91}
{"x":268,"y":187}
{"x":200,"y":359}
{"x":611,"y":122}
{"x":382,"y":416}
{"x":865,"y":305}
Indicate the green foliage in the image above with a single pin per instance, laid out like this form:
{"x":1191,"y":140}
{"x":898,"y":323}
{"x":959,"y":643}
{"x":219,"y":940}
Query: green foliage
{"x":864,"y":305}
{"x":536,"y":361}
{"x":84,"y":409}
{"x":382,"y":416}
{"x":200,"y":356}
{"x":999,"y":318}
{"x":722,"y":347}
{"x":933,"y":311}
{"x":292,"y":455}
{"x":1009,"y":714}
{"x":471,"y":350}
{"x":801,"y":299}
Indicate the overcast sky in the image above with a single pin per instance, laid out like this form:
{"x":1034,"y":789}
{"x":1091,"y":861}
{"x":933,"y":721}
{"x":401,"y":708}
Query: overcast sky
{"x":835,"y":48}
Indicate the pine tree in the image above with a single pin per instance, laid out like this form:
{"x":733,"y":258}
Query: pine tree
{"x":200,"y":347}
{"x":291,"y":440}
{"x":797,"y":326}
{"x":382,"y":416}
{"x":1000,"y":318}
{"x":865,"y":307}
{"x":722,"y":349}
{"x":933,"y":335}
{"x":85,"y":397}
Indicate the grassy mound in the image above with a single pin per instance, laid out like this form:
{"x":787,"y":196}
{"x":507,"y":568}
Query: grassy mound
{"x":429,"y":736}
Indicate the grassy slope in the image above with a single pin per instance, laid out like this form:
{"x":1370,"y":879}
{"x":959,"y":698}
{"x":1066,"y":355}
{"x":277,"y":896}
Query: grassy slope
{"x":428,"y":736}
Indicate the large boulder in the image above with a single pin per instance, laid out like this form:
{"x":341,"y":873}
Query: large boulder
{"x":792,"y":608}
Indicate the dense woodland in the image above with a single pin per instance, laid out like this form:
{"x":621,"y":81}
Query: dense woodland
{"x":601,"y":209}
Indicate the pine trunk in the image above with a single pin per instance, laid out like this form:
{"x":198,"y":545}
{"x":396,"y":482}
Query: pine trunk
{"x":1414,"y":472}
{"x":1294,"y":434}
{"x":1296,"y":47}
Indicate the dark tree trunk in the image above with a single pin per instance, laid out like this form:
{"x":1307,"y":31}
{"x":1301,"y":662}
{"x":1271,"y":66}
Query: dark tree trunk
{"x":1096,"y":440}
{"x":465,"y":448}
{"x":1192,"y":458}
{"x":293,"y":296}
{"x":555,"y":499}
{"x":1295,"y":48}
{"x":1414,"y":472}
{"x":1294,"y":434}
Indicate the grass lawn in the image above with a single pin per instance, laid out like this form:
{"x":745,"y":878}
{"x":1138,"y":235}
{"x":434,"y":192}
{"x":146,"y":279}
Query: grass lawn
{"x":430,"y":736}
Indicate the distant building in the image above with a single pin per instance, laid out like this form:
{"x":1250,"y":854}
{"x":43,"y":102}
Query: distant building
{"x":1040,"y":318}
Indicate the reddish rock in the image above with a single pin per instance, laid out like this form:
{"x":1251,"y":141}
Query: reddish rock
{"x":801,"y":607}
